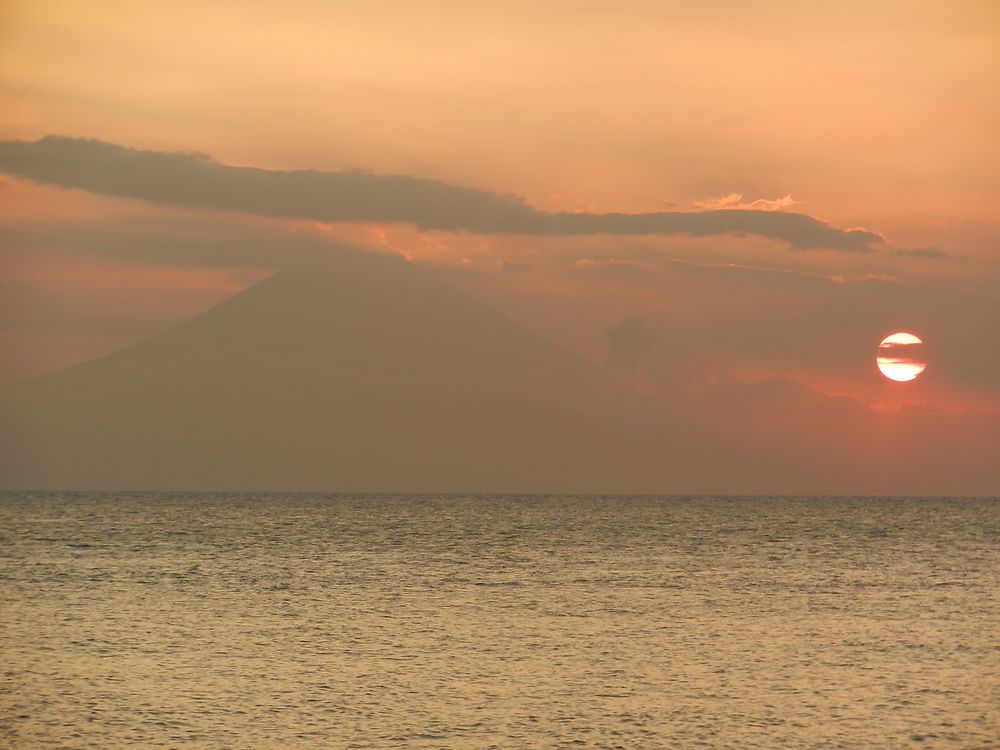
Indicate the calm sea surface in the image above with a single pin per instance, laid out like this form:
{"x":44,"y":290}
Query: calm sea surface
{"x":296,"y":621}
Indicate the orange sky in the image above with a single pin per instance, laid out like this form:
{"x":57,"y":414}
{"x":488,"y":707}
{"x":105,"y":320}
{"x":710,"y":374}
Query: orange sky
{"x":860,"y":112}
{"x":883,"y":118}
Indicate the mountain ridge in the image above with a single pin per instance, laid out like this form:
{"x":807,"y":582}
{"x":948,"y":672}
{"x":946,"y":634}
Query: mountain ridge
{"x":346,"y":371}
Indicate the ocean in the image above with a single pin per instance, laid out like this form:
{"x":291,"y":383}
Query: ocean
{"x":145,"y":620}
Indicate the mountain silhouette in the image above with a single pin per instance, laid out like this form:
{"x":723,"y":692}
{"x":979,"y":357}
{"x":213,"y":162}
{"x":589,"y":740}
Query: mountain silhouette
{"x":343,"y":371}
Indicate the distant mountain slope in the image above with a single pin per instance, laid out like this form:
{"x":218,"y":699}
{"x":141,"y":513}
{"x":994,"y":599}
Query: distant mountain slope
{"x":349,"y":371}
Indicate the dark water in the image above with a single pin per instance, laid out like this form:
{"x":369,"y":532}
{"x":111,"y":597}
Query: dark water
{"x":234,"y":621}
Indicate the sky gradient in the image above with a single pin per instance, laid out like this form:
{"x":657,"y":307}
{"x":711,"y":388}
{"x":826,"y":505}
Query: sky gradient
{"x":726,"y":207}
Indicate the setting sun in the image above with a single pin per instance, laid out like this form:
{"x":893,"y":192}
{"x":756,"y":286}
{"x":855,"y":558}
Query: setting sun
{"x":896,"y":358}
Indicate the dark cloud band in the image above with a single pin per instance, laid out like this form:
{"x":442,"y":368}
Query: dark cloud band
{"x":195,"y":180}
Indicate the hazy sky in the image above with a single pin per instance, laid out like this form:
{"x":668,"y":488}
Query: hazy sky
{"x":800,"y":180}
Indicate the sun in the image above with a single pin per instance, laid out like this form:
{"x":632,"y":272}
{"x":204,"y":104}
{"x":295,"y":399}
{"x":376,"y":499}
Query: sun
{"x":898,"y":357}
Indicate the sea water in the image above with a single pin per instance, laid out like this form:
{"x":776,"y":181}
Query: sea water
{"x":385,"y":621}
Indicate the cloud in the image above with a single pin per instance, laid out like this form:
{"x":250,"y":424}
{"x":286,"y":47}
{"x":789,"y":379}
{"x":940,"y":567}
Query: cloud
{"x":779,"y":272}
{"x":927,"y":253}
{"x":195,"y":180}
{"x":735,"y":201}
{"x":150,"y":241}
{"x":628,"y":341}
{"x":613,"y":269}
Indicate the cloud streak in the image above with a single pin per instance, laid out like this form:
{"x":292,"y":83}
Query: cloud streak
{"x":735,"y":200}
{"x":195,"y":180}
{"x":927,"y":253}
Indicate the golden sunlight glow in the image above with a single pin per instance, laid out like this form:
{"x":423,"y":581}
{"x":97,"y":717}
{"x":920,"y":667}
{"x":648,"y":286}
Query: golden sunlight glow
{"x":899,"y":338}
{"x":895,"y":359}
